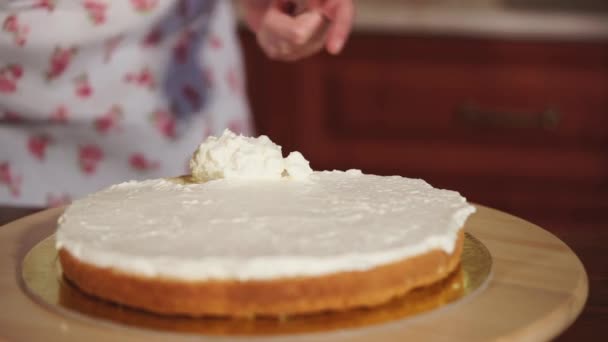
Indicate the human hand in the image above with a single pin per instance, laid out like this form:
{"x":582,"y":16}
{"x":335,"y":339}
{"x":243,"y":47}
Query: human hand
{"x":289,"y":30}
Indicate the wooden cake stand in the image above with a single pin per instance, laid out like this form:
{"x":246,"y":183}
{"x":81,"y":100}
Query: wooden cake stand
{"x":537,"y":288}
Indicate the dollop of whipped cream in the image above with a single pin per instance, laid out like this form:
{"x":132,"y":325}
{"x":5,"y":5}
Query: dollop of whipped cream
{"x":234,"y":156}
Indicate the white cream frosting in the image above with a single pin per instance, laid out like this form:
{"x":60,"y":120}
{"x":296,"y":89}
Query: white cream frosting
{"x":238,"y":229}
{"x":232,"y":156}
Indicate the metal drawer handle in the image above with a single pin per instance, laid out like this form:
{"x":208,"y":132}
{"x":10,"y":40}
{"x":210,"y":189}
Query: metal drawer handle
{"x":472,"y":115}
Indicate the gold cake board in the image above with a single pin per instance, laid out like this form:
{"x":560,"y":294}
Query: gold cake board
{"x":537,"y":288}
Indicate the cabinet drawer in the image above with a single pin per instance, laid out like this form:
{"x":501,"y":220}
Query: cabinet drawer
{"x":490,"y":103}
{"x":469,"y":89}
{"x":459,"y":106}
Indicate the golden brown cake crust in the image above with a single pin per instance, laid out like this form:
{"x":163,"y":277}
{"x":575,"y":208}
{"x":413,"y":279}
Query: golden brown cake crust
{"x":280,"y":297}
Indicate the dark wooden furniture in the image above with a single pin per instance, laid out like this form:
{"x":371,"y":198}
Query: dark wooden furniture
{"x":517,"y":125}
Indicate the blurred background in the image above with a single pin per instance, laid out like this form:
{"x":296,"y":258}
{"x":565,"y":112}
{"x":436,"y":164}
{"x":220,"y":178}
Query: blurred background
{"x":505,"y":101}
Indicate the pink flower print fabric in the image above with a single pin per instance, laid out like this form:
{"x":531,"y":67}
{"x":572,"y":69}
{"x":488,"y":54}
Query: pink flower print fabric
{"x":97,"y":92}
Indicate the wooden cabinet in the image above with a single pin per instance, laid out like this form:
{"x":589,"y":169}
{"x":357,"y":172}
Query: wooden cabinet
{"x":518,"y":125}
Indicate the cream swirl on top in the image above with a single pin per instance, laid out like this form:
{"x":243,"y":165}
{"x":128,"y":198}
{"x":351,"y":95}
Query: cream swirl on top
{"x":232,"y":156}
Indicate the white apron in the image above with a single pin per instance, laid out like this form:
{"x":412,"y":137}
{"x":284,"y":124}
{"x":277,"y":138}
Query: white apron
{"x":95,"y":92}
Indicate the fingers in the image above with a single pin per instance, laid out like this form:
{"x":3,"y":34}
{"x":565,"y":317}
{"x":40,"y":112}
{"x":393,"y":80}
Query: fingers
{"x":294,"y":29}
{"x":313,"y":46}
{"x":341,"y":13}
{"x":283,"y":37}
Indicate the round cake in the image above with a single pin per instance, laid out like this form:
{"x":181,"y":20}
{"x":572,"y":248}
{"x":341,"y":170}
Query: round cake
{"x":232,"y":243}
